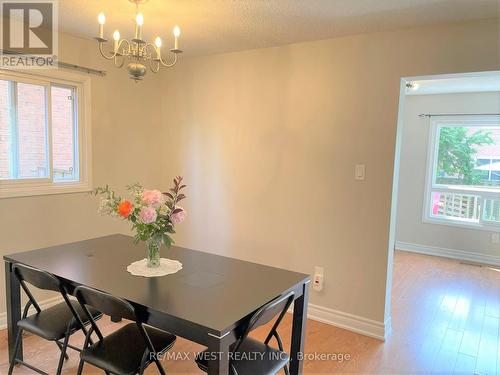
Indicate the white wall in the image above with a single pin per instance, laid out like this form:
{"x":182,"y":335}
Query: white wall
{"x":410,"y":228}
{"x":267,"y":140}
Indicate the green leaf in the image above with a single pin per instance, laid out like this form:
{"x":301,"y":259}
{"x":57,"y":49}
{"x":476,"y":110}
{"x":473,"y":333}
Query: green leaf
{"x":167,"y":241}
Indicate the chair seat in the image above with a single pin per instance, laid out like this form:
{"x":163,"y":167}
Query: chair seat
{"x":253,"y":357}
{"x":52,"y":323}
{"x":121,"y":352}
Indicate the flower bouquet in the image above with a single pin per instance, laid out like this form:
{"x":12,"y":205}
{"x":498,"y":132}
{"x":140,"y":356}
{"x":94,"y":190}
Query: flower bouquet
{"x":153,"y":214}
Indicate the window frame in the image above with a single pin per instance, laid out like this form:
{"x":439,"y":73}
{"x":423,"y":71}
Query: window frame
{"x":431,"y":168}
{"x":83,"y":158}
{"x":76,"y":122}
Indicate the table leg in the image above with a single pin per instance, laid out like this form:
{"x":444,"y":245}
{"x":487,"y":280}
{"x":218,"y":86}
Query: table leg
{"x":299,"y":331}
{"x":218,"y":348}
{"x":13,"y":295}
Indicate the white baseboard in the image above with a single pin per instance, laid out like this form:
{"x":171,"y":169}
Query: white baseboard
{"x":350,"y":322}
{"x":43,"y":305}
{"x":468,"y":256}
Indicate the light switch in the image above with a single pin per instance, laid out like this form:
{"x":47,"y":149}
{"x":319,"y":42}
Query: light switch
{"x":359,"y":172}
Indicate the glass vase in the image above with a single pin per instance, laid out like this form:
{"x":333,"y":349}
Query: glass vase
{"x":153,"y":252}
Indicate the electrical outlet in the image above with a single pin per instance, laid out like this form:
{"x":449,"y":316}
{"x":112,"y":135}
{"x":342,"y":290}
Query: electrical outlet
{"x":495,"y":237}
{"x":318,"y":279}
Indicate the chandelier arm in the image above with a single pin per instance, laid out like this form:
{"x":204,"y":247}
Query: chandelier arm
{"x":114,"y":54}
{"x":146,"y":48}
{"x":101,"y":50}
{"x":168,"y":65}
{"x":124,"y":53}
{"x":119,"y":65}
{"x":127,"y":52}
{"x":151,"y":66}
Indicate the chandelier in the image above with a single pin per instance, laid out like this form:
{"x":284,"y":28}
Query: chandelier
{"x":139,"y":52}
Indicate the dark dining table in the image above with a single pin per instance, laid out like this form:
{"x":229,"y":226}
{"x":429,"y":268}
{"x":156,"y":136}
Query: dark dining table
{"x":208,"y":301}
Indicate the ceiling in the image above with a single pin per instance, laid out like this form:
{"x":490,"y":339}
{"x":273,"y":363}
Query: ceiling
{"x":215,"y":26}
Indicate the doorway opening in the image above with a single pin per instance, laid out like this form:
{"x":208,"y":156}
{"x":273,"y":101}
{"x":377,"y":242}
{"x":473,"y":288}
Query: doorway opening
{"x":444,"y":248}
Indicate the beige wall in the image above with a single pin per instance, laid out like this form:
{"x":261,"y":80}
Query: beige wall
{"x":267,"y":140}
{"x":410,"y":228}
{"x":125,"y":128}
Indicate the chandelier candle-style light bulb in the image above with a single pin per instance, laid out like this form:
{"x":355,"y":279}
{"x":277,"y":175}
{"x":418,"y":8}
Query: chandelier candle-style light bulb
{"x":101,"y":18}
{"x":116,"y":37}
{"x":136,"y":54}
{"x":139,"y":20}
{"x":158,"y":46}
{"x":177,"y":34}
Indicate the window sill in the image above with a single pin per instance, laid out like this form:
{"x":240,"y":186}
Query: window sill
{"x":13,"y":191}
{"x":463,"y":224}
{"x":461,"y":189}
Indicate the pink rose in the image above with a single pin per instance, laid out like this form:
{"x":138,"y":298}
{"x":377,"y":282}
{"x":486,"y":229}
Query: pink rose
{"x":178,"y":217}
{"x":147,"y":215}
{"x":153,"y":198}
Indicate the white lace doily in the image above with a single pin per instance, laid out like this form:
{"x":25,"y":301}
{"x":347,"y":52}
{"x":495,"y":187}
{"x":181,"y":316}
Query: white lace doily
{"x":167,"y":267}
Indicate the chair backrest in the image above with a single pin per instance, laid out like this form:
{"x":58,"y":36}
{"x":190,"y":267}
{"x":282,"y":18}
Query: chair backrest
{"x":269,"y":311}
{"x":38,"y":278}
{"x":42,"y":280}
{"x":277,"y":307}
{"x":109,"y":305}
{"x":105,"y":303}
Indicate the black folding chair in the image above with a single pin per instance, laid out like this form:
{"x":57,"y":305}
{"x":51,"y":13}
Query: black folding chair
{"x":56,"y":323}
{"x":130,"y":349}
{"x":249,"y":356}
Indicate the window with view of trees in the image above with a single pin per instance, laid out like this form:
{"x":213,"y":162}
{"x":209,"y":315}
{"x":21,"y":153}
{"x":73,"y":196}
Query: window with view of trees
{"x":464,"y":171}
{"x":40,"y":130}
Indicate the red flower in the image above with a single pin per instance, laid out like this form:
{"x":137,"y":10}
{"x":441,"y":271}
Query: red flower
{"x":125,"y":208}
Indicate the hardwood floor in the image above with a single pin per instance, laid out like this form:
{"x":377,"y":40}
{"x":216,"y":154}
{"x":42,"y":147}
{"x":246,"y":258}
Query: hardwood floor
{"x":445,"y":318}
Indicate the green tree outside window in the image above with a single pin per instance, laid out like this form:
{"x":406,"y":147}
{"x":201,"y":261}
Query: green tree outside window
{"x":458,"y":148}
